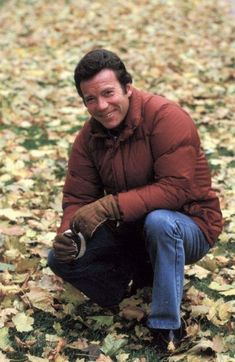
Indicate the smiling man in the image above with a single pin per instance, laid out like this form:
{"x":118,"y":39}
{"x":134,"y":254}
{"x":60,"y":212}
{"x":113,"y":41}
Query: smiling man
{"x":137,"y":200}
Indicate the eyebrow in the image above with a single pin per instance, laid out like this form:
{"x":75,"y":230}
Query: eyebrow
{"x":110,"y":87}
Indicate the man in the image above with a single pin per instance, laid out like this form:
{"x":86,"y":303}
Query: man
{"x":137,"y":198}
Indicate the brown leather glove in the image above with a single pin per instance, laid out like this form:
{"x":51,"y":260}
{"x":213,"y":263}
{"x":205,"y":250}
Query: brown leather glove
{"x":89,"y":217}
{"x":69,"y":246}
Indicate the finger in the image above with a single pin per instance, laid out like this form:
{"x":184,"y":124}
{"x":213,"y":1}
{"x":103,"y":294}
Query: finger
{"x":65,"y":255}
{"x":64,"y":248}
{"x":63,"y":240}
{"x":65,"y":259}
{"x":62,"y":244}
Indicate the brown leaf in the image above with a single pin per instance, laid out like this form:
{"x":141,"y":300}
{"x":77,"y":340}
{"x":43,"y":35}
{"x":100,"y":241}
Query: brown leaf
{"x":103,"y":358}
{"x":40,"y":299}
{"x":218,"y":344}
{"x":54,"y":353}
{"x":13,"y":230}
{"x":131,"y":313}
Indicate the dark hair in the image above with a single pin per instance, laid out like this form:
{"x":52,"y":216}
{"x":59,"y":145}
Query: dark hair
{"x":97,"y":60}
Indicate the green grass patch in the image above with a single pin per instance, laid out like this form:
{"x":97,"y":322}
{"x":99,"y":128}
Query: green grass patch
{"x":34,"y":136}
{"x":223,"y":151}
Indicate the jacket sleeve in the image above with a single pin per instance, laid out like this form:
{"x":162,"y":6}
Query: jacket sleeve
{"x":82,"y":183}
{"x":175,"y":147}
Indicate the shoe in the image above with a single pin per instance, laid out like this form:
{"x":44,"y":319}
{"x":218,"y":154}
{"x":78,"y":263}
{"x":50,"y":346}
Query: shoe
{"x":167,"y":340}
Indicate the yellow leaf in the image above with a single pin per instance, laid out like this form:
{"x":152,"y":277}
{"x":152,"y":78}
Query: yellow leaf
{"x":200,"y":310}
{"x":203,"y":345}
{"x":198,"y":271}
{"x":36,"y":359}
{"x":40,"y":298}
{"x":52,"y":338}
{"x":228,"y":292}
{"x":123,"y":357}
{"x":3,"y":358}
{"x":12,"y":254}
{"x":22,"y":322}
{"x":5,"y":343}
{"x":14,"y":214}
{"x":9,"y":289}
{"x":226,"y":310}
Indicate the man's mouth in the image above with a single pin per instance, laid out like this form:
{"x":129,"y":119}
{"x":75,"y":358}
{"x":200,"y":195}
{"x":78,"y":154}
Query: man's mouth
{"x":107,"y":115}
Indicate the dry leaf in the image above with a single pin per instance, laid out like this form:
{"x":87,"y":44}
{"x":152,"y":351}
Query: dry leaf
{"x":103,"y":358}
{"x":131,"y":313}
{"x":22,"y":322}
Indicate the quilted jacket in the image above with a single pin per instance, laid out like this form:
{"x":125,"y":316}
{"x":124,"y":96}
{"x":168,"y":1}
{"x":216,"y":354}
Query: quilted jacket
{"x":155,"y":163}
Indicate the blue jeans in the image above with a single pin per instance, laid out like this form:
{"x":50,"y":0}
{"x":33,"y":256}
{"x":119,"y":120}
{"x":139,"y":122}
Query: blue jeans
{"x":104,"y":271}
{"x":160,"y":245}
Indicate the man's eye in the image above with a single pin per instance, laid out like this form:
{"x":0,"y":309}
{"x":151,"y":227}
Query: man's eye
{"x":109,"y":93}
{"x":89,"y":100}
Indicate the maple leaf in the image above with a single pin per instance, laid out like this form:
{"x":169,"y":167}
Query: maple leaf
{"x":22,"y":322}
{"x":112,"y":344}
{"x":102,"y":321}
{"x":40,"y":299}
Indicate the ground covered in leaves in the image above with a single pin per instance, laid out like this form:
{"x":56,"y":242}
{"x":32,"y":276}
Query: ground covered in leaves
{"x":183,"y":49}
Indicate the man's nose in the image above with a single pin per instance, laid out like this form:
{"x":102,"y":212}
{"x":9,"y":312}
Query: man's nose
{"x":102,"y":104}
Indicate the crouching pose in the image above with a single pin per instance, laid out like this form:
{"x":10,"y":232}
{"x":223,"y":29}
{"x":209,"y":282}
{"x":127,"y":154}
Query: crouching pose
{"x":137,"y":200}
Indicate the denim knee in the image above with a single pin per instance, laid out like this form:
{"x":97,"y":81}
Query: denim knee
{"x":158,"y":223}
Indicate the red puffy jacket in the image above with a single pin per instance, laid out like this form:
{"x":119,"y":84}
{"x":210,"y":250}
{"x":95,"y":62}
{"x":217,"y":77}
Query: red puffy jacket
{"x":155,"y":163}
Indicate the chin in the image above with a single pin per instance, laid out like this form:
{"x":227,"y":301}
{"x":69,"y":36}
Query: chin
{"x":114,"y":124}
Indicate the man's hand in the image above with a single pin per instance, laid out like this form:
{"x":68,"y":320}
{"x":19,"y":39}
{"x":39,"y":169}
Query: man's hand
{"x":69,"y":246}
{"x":89,"y":217}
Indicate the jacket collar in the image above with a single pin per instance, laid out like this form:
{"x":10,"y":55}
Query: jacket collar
{"x":131,"y":121}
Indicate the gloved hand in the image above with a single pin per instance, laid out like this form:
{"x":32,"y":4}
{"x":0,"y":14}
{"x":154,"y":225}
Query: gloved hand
{"x":69,"y":246}
{"x":89,"y":217}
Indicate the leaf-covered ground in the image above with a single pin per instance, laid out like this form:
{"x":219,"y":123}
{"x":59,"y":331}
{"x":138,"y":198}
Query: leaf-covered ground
{"x":183,"y":49}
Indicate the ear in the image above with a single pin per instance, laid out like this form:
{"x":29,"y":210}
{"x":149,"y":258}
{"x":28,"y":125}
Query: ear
{"x":129,"y":89}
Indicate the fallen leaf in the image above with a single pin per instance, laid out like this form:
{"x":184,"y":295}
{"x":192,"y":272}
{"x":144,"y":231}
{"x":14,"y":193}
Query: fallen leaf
{"x":201,"y":346}
{"x":36,"y":359}
{"x":40,"y":299}
{"x":103,"y":358}
{"x":9,"y":290}
{"x":13,"y":215}
{"x":112,"y":344}
{"x":102,"y":321}
{"x":5,"y":343}
{"x":3,"y":357}
{"x":131,"y":313}
{"x":22,"y":322}
{"x":123,"y":357}
{"x":12,"y":230}
{"x":80,"y":343}
{"x":218,"y":344}
{"x":5,"y":266}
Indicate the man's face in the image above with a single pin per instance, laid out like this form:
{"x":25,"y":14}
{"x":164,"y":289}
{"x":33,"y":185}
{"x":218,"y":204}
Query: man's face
{"x":105,"y":98}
